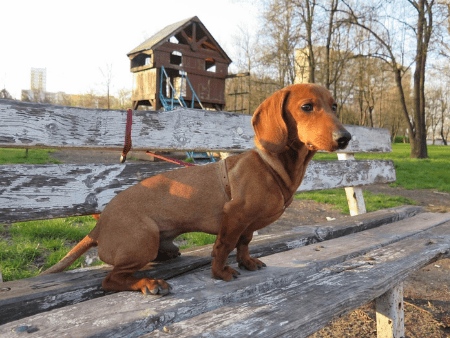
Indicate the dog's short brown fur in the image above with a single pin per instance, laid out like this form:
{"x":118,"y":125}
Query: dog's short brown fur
{"x":140,"y":223}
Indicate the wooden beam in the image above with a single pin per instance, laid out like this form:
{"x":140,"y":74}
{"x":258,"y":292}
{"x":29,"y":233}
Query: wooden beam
{"x":390,"y":313}
{"x":58,"y":290}
{"x":62,"y":190}
{"x":322,"y":175}
{"x":36,"y":125}
{"x":231,"y":76}
{"x":299,"y":291}
{"x":355,"y":198}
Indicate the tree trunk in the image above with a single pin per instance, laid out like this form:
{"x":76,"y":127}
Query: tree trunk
{"x":419,"y":142}
{"x":309,"y":25}
{"x":328,"y":44}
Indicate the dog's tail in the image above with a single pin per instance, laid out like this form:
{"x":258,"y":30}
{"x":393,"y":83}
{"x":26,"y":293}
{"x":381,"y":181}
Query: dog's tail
{"x":85,"y":244}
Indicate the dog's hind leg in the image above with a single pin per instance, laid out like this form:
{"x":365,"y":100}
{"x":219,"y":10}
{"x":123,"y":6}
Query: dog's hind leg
{"x":131,"y":254}
{"x":167,"y":250}
{"x":121,"y":279}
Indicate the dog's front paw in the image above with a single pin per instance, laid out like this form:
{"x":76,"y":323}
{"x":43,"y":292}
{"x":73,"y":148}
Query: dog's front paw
{"x":251,"y":263}
{"x":225,"y":274}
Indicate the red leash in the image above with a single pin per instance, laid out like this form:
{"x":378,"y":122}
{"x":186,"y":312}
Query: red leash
{"x":128,"y":143}
{"x":172,"y":160}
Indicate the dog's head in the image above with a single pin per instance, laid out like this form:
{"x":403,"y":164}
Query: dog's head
{"x":303,"y":112}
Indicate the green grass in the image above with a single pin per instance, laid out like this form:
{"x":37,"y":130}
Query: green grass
{"x":25,"y":246}
{"x":21,"y":156}
{"x":338,"y":199}
{"x":430,"y":173}
{"x":192,"y":239}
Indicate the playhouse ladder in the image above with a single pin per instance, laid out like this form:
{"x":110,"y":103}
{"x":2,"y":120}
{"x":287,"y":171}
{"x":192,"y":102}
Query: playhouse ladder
{"x":177,"y":97}
{"x":177,"y":101}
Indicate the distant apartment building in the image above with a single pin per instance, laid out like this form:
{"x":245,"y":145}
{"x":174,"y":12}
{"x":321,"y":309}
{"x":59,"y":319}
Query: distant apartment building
{"x":38,"y":79}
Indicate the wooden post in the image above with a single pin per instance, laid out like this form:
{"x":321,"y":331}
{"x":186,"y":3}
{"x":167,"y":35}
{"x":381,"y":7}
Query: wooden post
{"x":390,"y":313}
{"x":355,"y":197}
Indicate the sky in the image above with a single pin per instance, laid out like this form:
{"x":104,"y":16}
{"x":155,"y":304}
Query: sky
{"x":74,"y":39}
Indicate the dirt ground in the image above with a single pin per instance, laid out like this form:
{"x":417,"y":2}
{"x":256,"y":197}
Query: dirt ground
{"x":427,"y":291}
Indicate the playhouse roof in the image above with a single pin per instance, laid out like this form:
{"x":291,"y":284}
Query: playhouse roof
{"x":174,"y":30}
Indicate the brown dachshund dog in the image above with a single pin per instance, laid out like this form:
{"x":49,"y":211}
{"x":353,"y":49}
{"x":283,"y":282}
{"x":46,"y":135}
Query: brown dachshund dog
{"x":231,"y":198}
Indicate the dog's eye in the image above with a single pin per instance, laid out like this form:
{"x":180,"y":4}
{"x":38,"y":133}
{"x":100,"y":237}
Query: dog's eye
{"x":334,"y":107}
{"x":307,"y":107}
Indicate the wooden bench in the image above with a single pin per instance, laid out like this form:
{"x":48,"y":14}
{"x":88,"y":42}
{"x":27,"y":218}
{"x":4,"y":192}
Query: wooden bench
{"x":314,"y":273}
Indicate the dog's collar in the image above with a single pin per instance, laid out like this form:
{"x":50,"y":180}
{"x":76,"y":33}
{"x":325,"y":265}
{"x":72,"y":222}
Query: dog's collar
{"x":287,"y":195}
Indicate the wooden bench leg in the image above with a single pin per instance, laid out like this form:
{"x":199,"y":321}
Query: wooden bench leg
{"x":355,"y":197}
{"x":390,"y":313}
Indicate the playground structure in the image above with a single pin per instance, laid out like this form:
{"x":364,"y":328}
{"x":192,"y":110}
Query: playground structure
{"x":180,"y":65}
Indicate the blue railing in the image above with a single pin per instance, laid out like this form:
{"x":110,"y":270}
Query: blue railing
{"x":177,"y":97}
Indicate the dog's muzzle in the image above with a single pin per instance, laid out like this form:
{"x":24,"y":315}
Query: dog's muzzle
{"x":342,"y":138}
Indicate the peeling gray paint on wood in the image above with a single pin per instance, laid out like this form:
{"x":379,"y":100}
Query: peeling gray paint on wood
{"x":339,"y":174}
{"x":30,"y":192}
{"x":57,"y":290}
{"x":60,"y":190}
{"x":27,"y":124}
{"x":300,"y":289}
{"x":31,"y":124}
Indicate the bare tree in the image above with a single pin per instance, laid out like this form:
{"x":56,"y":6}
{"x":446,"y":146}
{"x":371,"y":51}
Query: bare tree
{"x":4,"y":94}
{"x":444,"y":115}
{"x":107,"y":78}
{"x":305,"y":9}
{"x":379,"y":17}
{"x":432,"y":111}
{"x":124,"y":97}
{"x":280,"y":37}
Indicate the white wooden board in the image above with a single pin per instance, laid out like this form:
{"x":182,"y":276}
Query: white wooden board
{"x":59,"y":190}
{"x":27,"y":124}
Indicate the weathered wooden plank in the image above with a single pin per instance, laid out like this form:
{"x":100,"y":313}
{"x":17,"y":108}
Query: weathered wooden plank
{"x":31,"y":124}
{"x":27,"y":124}
{"x":339,"y":174}
{"x":129,"y":313}
{"x":44,"y":293}
{"x":308,"y":302}
{"x":30,"y":192}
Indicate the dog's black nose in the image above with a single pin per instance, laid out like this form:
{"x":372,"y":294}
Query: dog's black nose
{"x":342,"y":137}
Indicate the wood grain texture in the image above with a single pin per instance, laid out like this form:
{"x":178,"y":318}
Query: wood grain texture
{"x":30,"y":192}
{"x":27,"y":124}
{"x":339,"y":174}
{"x":44,"y":293}
{"x":295,"y":276}
{"x":31,"y":124}
{"x":390,"y":313}
{"x":308,"y":301}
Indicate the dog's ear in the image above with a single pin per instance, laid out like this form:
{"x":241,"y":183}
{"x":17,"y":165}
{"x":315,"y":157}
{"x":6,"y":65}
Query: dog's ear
{"x":268,"y":123}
